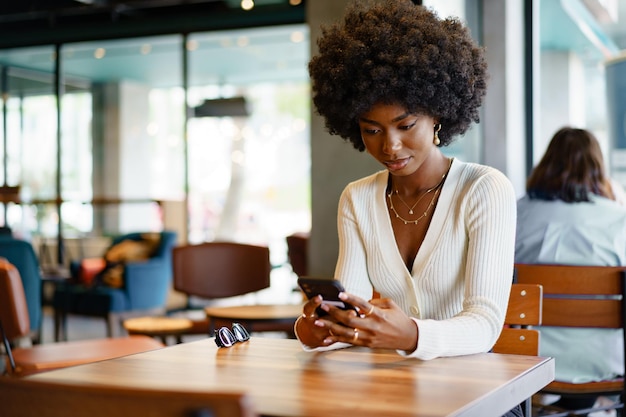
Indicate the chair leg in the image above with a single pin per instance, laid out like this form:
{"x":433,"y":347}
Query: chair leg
{"x":527,"y":407}
{"x":114,"y":321}
{"x":7,"y":347}
{"x":60,"y":325}
{"x":111,"y":322}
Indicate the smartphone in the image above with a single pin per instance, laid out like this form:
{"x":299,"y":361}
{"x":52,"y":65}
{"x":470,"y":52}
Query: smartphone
{"x":329,"y":289}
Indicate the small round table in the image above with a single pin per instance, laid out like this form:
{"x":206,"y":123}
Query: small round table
{"x":256,"y":318}
{"x":161,"y":327}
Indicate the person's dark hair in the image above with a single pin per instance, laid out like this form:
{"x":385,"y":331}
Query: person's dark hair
{"x":571,"y":169}
{"x":396,"y":52}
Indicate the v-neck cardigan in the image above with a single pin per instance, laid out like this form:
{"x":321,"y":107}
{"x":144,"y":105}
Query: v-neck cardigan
{"x":457,"y":291}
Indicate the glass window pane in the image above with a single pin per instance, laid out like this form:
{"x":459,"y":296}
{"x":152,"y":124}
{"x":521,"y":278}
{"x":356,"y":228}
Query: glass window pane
{"x":30,"y":124}
{"x":249,"y":176}
{"x":127,"y":144}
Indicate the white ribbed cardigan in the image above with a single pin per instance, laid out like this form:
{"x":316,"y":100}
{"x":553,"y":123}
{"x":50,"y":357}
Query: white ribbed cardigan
{"x":458,"y":289}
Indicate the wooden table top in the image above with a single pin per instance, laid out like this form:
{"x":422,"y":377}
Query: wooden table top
{"x":156,"y":326}
{"x":283,"y":380}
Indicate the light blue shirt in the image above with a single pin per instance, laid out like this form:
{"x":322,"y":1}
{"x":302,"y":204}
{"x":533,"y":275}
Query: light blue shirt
{"x":587,"y":233}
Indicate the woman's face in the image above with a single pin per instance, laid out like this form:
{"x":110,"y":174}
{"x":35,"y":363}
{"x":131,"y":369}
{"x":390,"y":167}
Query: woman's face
{"x":397,"y":139}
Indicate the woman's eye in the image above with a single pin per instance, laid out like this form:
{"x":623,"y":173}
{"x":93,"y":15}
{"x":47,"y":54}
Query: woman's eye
{"x":370,"y":131}
{"x":407,"y":127}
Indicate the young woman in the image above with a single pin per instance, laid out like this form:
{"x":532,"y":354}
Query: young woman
{"x":570,"y":216}
{"x":433,"y":235}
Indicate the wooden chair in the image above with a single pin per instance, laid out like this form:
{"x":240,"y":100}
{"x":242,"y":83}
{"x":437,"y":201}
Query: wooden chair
{"x":523,"y":312}
{"x":22,"y":254}
{"x":298,"y":256}
{"x":217,"y":270}
{"x":581,"y":296}
{"x":297,"y":252}
{"x":24,"y":397}
{"x":518,"y":337}
{"x":14,"y":324}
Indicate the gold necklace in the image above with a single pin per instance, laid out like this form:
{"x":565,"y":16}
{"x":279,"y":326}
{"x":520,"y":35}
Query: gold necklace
{"x":432,"y":200}
{"x":432,"y":203}
{"x":418,"y":200}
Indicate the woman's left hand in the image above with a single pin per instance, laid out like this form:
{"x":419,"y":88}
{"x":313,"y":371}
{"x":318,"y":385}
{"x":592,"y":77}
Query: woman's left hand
{"x":379,"y":324}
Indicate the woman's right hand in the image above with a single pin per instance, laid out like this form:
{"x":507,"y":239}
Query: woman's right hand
{"x":307,"y":331}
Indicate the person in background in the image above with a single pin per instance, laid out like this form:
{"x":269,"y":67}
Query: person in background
{"x":570,"y":215}
{"x":432,"y":234}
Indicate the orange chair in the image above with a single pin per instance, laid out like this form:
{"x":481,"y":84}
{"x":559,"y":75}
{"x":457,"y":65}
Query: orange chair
{"x":14,"y":324}
{"x":518,"y":337}
{"x":585,"y":297}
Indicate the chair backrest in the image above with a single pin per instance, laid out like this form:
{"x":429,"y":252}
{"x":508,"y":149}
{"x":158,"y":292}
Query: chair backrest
{"x":578,"y":296}
{"x":23,"y":397}
{"x":524,"y":311}
{"x":13,"y":309}
{"x":221,"y":269}
{"x":21,"y":254}
{"x":168,"y":241}
{"x":14,"y":320}
{"x":297,"y":252}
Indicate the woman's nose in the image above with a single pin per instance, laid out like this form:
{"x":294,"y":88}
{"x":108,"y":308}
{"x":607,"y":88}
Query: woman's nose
{"x":391,"y":143}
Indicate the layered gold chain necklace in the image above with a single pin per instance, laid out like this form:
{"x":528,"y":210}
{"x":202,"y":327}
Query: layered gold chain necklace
{"x":437,"y":190}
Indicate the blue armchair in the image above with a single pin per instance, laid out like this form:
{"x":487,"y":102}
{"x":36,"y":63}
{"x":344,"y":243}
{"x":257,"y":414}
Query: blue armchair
{"x":145,"y":290}
{"x":21,"y":254}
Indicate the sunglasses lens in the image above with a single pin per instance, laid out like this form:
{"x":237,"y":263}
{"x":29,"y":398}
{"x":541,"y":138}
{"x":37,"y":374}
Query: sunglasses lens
{"x":224,"y":338}
{"x":241,"y":334}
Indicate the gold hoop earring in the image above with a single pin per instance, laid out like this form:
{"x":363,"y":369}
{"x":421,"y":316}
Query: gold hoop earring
{"x":437,"y":141}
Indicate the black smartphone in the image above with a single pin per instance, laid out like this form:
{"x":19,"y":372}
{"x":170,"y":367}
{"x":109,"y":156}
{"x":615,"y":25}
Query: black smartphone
{"x":329,"y":289}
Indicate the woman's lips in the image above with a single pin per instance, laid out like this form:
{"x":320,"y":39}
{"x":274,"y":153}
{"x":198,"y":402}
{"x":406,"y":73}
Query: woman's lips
{"x":396,"y":164}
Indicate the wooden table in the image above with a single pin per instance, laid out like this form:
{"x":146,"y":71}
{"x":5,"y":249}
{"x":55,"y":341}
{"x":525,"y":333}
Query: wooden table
{"x":283,"y":380}
{"x":256,"y":318}
{"x":161,"y":327}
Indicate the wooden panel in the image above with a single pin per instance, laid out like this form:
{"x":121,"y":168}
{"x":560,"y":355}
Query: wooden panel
{"x":582,"y":313}
{"x":518,"y":342}
{"x":571,"y":279}
{"x":524,"y":305}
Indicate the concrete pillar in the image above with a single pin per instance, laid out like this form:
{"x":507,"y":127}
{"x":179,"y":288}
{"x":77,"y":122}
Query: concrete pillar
{"x":503,"y":110}
{"x":122,"y":150}
{"x":334,"y":162}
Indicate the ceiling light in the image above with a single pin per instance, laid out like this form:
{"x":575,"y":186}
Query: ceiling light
{"x":247,"y":4}
{"x":192,"y":45}
{"x":99,"y":53}
{"x":297,"y":37}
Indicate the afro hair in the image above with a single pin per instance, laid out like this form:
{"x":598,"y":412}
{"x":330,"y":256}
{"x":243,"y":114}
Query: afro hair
{"x":395,"y":52}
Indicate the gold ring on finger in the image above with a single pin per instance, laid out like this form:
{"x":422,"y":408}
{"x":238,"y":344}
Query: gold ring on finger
{"x":369,"y":312}
{"x":356,"y":335}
